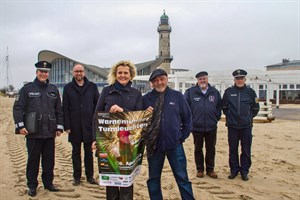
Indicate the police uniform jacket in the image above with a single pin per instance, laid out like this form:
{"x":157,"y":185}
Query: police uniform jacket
{"x":79,"y":104}
{"x":240,"y":105}
{"x":44,"y":99}
{"x":176,"y":119}
{"x":206,"y":108}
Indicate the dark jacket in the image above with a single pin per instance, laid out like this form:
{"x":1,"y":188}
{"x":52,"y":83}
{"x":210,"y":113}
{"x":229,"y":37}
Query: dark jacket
{"x":128,"y":98}
{"x":44,"y":99}
{"x":79,"y":105}
{"x":206,"y":108}
{"x":240,"y":105}
{"x":176,"y":119}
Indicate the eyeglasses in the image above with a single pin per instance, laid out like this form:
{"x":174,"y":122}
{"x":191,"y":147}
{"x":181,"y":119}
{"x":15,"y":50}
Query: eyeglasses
{"x":79,"y":71}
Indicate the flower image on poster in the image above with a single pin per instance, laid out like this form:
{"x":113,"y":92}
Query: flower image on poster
{"x":119,"y":146}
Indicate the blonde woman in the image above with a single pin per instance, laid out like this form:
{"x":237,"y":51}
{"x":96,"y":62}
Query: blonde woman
{"x":119,"y":96}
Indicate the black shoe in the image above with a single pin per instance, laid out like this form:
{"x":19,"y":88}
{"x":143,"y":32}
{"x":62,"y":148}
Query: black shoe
{"x":245,"y":177}
{"x":92,"y":181}
{"x":32,"y":192}
{"x":52,"y":188}
{"x":232,"y":176}
{"x":76,"y":182}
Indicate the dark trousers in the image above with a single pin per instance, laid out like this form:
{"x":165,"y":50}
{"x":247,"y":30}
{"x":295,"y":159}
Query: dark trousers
{"x":37,"y":148}
{"x":234,"y":136}
{"x":88,"y":159}
{"x":119,"y":193}
{"x":210,"y":139}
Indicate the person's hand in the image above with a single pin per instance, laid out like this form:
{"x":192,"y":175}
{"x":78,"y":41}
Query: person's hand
{"x":115,"y":108}
{"x":57,"y":133}
{"x":150,"y":109}
{"x":68,"y":131}
{"x":94,"y":147}
{"x":23,"y":131}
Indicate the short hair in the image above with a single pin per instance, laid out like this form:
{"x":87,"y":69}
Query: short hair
{"x":112,"y":75}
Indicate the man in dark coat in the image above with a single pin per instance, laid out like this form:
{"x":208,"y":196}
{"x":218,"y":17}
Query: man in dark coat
{"x":170,"y":127}
{"x":80,"y":98}
{"x":240,"y":105}
{"x":206,"y":105}
{"x":42,"y":100}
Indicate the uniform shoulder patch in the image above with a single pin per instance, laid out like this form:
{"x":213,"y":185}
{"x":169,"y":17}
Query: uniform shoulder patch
{"x":256,"y":100}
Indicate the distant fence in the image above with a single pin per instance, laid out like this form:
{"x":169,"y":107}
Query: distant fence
{"x":265,"y":112}
{"x":264,"y":115}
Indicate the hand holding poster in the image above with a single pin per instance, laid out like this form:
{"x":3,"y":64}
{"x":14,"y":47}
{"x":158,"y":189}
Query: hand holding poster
{"x":119,"y":146}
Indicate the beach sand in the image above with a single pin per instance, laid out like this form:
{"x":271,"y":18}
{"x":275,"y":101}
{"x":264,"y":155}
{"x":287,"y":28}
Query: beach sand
{"x":275,"y":171}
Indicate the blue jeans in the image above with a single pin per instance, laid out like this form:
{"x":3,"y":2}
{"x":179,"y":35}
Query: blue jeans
{"x":177,"y":160}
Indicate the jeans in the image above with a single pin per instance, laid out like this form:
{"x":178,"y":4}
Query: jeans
{"x":177,"y":160}
{"x":210,"y":139}
{"x":234,"y":136}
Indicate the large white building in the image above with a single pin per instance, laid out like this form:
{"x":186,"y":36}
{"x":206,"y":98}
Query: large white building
{"x":281,"y":78}
{"x":61,"y":72}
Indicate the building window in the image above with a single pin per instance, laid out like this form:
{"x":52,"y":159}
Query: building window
{"x":284,"y":86}
{"x":292,"y":86}
{"x":261,"y":87}
{"x":297,"y":86}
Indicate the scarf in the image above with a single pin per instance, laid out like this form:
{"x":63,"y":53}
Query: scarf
{"x":152,"y":131}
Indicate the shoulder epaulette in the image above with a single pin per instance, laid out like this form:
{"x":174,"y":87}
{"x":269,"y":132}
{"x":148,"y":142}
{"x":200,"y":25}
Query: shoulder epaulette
{"x":52,"y":85}
{"x":27,"y":84}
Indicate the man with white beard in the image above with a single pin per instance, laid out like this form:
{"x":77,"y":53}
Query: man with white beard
{"x":206,"y":104}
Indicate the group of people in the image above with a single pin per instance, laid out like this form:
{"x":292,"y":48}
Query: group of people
{"x":174,"y":116}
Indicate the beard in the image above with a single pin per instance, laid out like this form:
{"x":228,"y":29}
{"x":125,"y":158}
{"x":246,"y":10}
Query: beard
{"x":203,"y":85}
{"x":78,"y":78}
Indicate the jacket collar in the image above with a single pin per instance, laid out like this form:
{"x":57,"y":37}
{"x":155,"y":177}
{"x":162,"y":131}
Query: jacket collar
{"x":117,"y":87}
{"x":198,"y":89}
{"x":39,"y":83}
{"x":76,"y":86}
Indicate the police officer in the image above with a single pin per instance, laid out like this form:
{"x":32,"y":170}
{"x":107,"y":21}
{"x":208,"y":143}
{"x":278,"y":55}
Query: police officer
{"x":206,"y":105}
{"x":240,"y":105}
{"x":41,"y":98}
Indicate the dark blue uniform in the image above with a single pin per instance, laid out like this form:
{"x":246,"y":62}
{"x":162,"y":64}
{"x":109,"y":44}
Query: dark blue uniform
{"x":44,"y":99}
{"x":206,"y":112}
{"x":240,"y":105}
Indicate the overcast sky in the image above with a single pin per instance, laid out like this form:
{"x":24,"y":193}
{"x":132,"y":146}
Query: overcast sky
{"x":206,"y":35}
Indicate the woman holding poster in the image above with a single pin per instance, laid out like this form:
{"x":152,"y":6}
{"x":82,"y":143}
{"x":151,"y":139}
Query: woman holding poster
{"x":119,"y":96}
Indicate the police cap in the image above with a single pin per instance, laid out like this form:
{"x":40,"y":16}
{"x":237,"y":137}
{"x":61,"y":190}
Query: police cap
{"x":203,"y":73}
{"x":239,"y":73}
{"x":156,"y":73}
{"x":43,"y":65}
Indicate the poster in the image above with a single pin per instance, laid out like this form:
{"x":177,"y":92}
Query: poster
{"x":119,"y":146}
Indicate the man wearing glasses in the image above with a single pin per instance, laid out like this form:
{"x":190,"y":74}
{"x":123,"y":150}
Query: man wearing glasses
{"x":80,"y":98}
{"x":240,"y":105}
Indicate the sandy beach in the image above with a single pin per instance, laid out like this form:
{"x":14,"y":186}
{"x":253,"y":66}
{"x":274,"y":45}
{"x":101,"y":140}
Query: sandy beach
{"x":274,"y":175}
